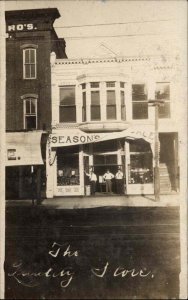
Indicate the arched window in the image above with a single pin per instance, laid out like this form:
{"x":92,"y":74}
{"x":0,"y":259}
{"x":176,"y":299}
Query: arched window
{"x":30,"y":111}
{"x":29,"y":61}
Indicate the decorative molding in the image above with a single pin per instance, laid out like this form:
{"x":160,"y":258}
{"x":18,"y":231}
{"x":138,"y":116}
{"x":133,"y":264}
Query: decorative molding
{"x":29,"y":46}
{"x":29,"y":96}
{"x":100,"y":60}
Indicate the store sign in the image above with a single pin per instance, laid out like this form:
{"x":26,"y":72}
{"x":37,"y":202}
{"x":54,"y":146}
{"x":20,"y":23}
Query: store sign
{"x":71,"y":138}
{"x":11,"y":154}
{"x":21,"y":27}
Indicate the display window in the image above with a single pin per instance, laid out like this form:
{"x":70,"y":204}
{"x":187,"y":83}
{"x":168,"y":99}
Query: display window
{"x":68,"y":166}
{"x":140,"y":169}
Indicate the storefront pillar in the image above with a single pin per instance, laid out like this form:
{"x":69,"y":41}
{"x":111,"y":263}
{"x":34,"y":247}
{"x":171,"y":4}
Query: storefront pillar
{"x":126,"y":165}
{"x":81,"y":168}
{"x":90,"y":155}
{"x":50,"y":160}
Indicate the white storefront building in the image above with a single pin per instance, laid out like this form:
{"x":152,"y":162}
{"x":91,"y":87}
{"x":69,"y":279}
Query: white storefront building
{"x":101,"y":120}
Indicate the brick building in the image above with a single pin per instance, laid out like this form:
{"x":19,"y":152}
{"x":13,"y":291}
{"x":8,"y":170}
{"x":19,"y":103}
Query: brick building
{"x":30,"y":40}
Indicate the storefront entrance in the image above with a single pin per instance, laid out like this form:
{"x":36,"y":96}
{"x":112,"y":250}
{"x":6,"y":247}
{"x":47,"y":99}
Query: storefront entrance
{"x":169,"y":171}
{"x":100,"y":170}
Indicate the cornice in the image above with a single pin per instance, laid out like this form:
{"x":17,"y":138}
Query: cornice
{"x":100,"y":60}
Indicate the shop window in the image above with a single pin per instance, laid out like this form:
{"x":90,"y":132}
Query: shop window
{"x":68,"y":166}
{"x":163,"y":93}
{"x":140,"y":169}
{"x":30,"y":113}
{"x":139,"y":101}
{"x":95,"y":106}
{"x":67,"y":108}
{"x":29,"y":63}
{"x":111,"y":105}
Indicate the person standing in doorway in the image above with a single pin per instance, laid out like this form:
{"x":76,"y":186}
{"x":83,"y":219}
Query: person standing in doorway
{"x":119,"y":182}
{"x":108,"y":176}
{"x":93,"y":179}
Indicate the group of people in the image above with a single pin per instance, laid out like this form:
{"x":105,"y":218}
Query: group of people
{"x":107,"y":177}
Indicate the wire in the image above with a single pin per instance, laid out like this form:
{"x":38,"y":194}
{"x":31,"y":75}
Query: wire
{"x":109,"y":24}
{"x":112,"y":36}
{"x":105,"y":36}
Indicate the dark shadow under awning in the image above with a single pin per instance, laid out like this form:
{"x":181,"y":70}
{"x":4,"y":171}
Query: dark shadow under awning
{"x":23,"y":148}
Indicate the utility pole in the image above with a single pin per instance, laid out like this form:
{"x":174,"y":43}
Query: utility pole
{"x":156,"y":103}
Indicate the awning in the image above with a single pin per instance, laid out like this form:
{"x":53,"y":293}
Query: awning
{"x":75,"y":137}
{"x":23,"y":148}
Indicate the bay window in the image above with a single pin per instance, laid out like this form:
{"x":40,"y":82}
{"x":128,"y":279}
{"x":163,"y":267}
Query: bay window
{"x":105,"y":100}
{"x":122,"y":99}
{"x":84,"y":116}
{"x":95,"y":102}
{"x":110,"y":101}
{"x":67,"y":107}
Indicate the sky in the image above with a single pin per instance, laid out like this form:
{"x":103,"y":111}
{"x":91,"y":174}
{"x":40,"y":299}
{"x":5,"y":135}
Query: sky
{"x":122,"y":28}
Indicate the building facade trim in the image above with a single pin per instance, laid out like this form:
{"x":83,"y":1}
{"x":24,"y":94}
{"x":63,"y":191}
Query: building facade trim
{"x":24,"y":46}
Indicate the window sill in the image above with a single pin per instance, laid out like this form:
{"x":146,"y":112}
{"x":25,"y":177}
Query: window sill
{"x":29,"y":78}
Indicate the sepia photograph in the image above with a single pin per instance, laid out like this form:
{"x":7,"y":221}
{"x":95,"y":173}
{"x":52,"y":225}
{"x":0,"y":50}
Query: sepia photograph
{"x":94,"y":149}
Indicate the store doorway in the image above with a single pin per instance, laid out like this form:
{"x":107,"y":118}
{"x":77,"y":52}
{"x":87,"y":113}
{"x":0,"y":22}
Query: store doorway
{"x":100,"y":170}
{"x":169,"y":161}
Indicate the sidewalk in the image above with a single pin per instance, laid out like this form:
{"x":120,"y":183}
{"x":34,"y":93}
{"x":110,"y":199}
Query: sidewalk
{"x":101,"y":201}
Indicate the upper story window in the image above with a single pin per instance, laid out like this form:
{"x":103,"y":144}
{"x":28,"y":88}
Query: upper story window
{"x":162,"y":92}
{"x":94,"y":85}
{"x":67,"y":109}
{"x":122,"y":99}
{"x":139,"y":101}
{"x":110,"y":84}
{"x":95,"y":102}
{"x":110,"y":101}
{"x":105,"y":100}
{"x":29,"y":63}
{"x":30,"y":113}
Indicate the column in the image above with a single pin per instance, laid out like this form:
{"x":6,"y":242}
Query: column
{"x":55,"y":102}
{"x":118,"y":101}
{"x":50,"y":154}
{"x":103,"y":100}
{"x":151,"y":95}
{"x":119,"y":153}
{"x":78,"y":102}
{"x":128,"y":100}
{"x":127,"y":164}
{"x":88,"y":102}
{"x":81,"y":169}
